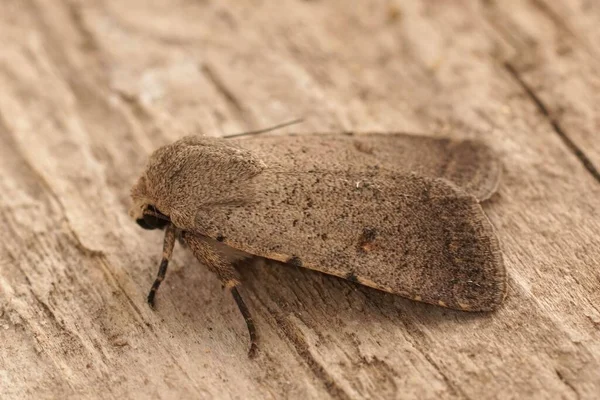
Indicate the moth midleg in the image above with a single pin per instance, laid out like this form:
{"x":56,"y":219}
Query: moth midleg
{"x":226,"y":272}
{"x":168,"y":244}
{"x":247,"y":317}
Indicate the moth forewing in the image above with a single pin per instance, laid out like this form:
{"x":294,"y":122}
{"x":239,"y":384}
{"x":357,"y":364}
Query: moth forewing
{"x":418,"y":237}
{"x":396,"y":212}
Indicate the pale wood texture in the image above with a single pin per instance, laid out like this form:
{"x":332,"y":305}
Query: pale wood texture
{"x":89,"y":88}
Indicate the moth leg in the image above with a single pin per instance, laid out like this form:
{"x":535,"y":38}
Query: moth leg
{"x":168,"y":244}
{"x":248,"y":318}
{"x":218,"y":263}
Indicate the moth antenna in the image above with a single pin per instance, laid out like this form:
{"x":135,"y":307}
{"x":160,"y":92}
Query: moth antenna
{"x":293,"y":122}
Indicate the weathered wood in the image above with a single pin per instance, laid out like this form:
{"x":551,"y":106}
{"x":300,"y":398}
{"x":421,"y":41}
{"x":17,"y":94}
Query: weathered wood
{"x":89,"y":89}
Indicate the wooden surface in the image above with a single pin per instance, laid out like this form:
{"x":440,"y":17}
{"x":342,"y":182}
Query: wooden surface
{"x":90,"y":88}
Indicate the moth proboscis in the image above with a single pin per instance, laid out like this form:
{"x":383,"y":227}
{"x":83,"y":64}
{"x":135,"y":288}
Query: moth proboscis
{"x":395,"y":212}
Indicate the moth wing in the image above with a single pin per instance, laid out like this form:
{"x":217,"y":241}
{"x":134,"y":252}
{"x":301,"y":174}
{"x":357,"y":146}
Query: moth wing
{"x":419,"y":237}
{"x":470,"y":164}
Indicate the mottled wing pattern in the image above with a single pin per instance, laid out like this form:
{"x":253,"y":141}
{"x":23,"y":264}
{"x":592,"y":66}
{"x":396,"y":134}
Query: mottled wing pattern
{"x":469,"y":164}
{"x":420,"y":237}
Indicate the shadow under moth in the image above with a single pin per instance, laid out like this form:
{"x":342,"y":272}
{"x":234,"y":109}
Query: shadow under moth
{"x":394,"y":212}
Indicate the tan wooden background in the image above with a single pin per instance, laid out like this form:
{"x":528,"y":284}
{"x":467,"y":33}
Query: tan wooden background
{"x":89,"y":88}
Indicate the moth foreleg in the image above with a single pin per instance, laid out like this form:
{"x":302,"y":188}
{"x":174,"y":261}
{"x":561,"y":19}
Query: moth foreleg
{"x":168,"y":244}
{"x":219,"y":263}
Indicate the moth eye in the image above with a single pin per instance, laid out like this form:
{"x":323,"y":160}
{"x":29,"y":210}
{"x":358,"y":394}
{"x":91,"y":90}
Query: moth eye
{"x":143,"y":224}
{"x":153,"y":220}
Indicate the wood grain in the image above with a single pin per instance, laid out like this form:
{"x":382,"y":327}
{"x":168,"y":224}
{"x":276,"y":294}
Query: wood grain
{"x":89,"y":89}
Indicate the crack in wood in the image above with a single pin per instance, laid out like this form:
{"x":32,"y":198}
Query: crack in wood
{"x":566,"y":382}
{"x":222,"y":88}
{"x":581,"y":156}
{"x":89,"y":41}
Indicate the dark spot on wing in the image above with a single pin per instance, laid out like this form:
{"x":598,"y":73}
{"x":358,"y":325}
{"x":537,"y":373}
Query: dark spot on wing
{"x":220,"y":237}
{"x":366,"y":239}
{"x":369,"y":234}
{"x":295,"y":261}
{"x":351,"y":277}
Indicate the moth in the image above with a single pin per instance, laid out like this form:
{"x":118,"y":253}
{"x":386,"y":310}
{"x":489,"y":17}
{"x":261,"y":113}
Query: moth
{"x":396,"y":212}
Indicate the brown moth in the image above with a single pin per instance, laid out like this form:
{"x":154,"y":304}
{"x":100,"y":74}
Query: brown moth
{"x":395,"y":212}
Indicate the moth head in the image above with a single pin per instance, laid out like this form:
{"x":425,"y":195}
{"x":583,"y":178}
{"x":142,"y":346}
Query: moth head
{"x":143,"y":211}
{"x":192,"y":174}
{"x":152,"y":218}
